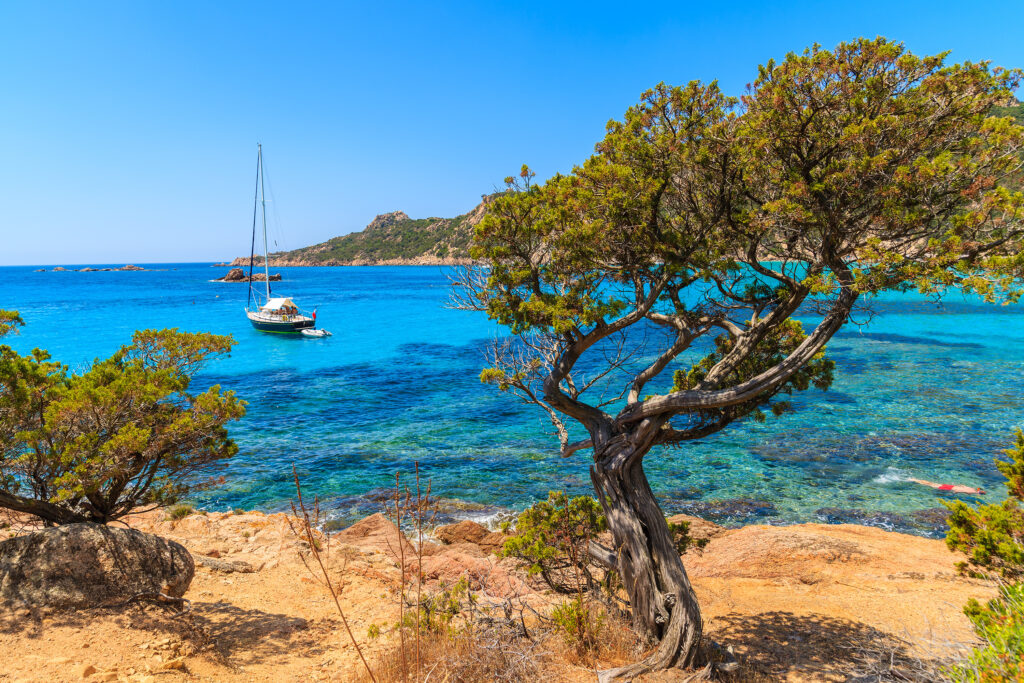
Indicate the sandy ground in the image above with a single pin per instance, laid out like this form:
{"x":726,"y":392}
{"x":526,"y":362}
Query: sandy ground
{"x":799,"y":603}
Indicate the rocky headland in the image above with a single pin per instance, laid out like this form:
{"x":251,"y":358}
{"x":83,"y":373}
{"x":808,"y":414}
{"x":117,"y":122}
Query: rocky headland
{"x":390,"y":239}
{"x":809,"y":602}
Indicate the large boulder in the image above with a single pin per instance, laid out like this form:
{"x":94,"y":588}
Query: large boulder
{"x":468,"y":531}
{"x":377,"y":533}
{"x":90,"y":565}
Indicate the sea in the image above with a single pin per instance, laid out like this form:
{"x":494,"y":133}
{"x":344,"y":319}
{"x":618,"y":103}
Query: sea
{"x":924,"y":389}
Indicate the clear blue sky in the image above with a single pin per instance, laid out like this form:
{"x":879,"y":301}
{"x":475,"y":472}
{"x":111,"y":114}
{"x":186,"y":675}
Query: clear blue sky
{"x":128,"y":129}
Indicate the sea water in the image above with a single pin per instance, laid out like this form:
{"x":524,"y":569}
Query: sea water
{"x":924,"y":390}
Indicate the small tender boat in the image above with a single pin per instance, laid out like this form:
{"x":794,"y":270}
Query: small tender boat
{"x":276,"y":314}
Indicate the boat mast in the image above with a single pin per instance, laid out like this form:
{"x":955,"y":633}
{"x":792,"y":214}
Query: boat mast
{"x":263,"y":201}
{"x":252,"y":247}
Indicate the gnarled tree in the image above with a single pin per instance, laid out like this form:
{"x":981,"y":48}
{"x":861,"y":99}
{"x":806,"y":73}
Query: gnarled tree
{"x":653,"y":293}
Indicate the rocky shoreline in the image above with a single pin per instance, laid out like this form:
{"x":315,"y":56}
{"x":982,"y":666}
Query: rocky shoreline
{"x":797,"y":603}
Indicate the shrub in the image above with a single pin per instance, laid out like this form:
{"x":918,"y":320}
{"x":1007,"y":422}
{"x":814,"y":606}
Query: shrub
{"x":684,"y":541}
{"x":127,"y":433}
{"x":552,"y":539}
{"x":180,"y":511}
{"x":579,"y":623}
{"x":993,"y":538}
{"x":1000,"y":623}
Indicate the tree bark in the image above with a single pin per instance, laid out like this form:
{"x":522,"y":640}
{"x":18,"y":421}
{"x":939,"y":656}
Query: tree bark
{"x":48,"y":512}
{"x":663,"y":604}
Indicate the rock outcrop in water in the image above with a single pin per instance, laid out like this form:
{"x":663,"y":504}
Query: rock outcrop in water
{"x":238,"y":275}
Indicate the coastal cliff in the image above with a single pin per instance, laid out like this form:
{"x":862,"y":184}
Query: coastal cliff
{"x":391,"y":239}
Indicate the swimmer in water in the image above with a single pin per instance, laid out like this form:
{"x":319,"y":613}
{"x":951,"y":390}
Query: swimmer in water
{"x":953,"y":488}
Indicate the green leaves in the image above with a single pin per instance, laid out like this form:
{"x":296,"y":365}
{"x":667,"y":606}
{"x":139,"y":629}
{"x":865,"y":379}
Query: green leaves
{"x":126,"y":433}
{"x":551,"y":539}
{"x":10,"y":321}
{"x":992,"y":536}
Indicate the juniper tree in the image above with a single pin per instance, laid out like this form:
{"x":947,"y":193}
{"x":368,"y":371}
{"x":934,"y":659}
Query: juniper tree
{"x":124,"y":435}
{"x":653,"y":292}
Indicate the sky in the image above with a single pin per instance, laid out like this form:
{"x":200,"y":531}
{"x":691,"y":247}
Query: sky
{"x":128,"y":130}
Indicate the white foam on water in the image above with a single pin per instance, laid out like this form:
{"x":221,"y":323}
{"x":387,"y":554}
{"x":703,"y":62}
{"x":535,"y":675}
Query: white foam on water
{"x":891,"y":476}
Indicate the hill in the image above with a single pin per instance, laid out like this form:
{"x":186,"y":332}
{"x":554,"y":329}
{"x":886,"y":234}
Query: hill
{"x":390,"y":239}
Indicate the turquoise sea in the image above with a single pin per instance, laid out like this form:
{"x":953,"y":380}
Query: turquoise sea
{"x":924,"y":390}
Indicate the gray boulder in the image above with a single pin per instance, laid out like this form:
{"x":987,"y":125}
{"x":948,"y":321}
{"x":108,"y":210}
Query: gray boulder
{"x":90,"y":565}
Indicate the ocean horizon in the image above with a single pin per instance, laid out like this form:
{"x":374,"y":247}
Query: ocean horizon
{"x":921,"y":390}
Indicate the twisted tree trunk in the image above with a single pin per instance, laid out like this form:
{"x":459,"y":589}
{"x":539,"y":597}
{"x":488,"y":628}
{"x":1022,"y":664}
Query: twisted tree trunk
{"x":663,"y":604}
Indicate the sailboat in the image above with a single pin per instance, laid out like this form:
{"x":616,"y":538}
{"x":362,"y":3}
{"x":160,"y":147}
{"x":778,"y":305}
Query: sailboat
{"x":276,"y":313}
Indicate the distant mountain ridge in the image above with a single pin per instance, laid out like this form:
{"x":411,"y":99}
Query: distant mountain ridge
{"x":390,"y":239}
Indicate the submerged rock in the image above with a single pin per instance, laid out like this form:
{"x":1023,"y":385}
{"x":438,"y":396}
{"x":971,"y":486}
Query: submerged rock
{"x":732,"y":511}
{"x":90,"y":565}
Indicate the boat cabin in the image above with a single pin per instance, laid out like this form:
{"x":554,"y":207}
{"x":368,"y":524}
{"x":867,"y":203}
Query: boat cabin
{"x":279,"y":306}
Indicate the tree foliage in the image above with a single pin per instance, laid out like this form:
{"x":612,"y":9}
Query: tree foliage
{"x":126,"y":433}
{"x":10,"y":321}
{"x":653,"y":291}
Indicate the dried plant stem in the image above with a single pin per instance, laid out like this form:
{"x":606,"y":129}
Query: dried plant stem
{"x":419,"y":563}
{"x":307,"y":528}
{"x":401,"y":566}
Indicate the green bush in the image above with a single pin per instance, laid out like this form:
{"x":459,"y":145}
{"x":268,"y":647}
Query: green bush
{"x":1000,"y":623}
{"x":552,"y":538}
{"x":579,"y":623}
{"x":684,"y":541}
{"x":993,"y":538}
{"x":180,"y":511}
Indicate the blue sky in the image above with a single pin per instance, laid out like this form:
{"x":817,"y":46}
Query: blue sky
{"x":128,"y":130}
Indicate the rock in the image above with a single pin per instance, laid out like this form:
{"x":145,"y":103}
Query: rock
{"x":88,"y":670}
{"x":60,"y":269}
{"x":377,"y":533}
{"x":238,"y":275}
{"x":468,"y":531}
{"x":88,"y":270}
{"x":39,"y":270}
{"x":226,"y":566}
{"x":483,"y":573}
{"x":700,"y":529}
{"x":131,"y":267}
{"x":90,"y":565}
